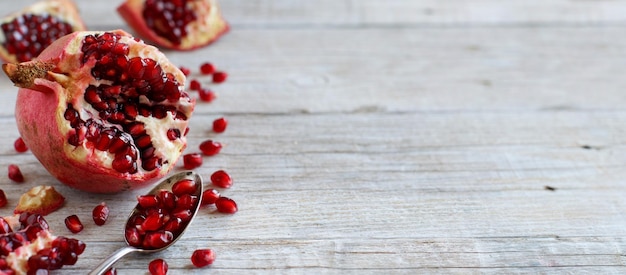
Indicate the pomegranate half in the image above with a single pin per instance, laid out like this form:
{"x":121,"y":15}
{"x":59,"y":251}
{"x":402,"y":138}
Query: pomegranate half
{"x":102,"y":111}
{"x":179,"y":25}
{"x":24,"y":34}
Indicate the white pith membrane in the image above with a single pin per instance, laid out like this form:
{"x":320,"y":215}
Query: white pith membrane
{"x":73,"y":92}
{"x":206,"y":26}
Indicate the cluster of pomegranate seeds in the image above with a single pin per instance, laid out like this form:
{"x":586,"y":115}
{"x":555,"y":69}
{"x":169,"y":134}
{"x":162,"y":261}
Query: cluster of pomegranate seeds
{"x":122,"y":101}
{"x":169,"y":19}
{"x":205,"y":94}
{"x":192,"y":160}
{"x":20,"y":146}
{"x":15,"y":174}
{"x":219,"y":125}
{"x":100,"y":214}
{"x":29,"y":34}
{"x":162,"y":216}
{"x":74,"y":224}
{"x":157,"y":267}
{"x":223,"y":204}
{"x":202,"y":257}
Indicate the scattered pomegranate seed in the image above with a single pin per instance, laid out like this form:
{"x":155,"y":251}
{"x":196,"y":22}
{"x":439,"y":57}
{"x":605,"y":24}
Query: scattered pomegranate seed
{"x":210,"y":147}
{"x":206,"y":95}
{"x":20,"y":146}
{"x":100,"y":213}
{"x":194,"y":85}
{"x":219,"y":77}
{"x":207,"y":68}
{"x":186,"y":71}
{"x":3,"y":199}
{"x":226,"y":205}
{"x":15,"y":174}
{"x":158,"y":267}
{"x":73,"y":224}
{"x":219,"y":125}
{"x":192,"y":161}
{"x":221,"y":179}
{"x":184,"y":187}
{"x":210,"y":196}
{"x":202,"y":257}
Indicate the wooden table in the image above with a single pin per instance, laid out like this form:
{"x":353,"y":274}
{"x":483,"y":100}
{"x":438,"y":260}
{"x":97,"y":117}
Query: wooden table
{"x":377,"y":137}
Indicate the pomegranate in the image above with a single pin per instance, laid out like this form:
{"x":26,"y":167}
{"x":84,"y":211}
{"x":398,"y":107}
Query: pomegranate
{"x":179,"y":25}
{"x":28,"y":247}
{"x":102,"y":111}
{"x":26,"y":33}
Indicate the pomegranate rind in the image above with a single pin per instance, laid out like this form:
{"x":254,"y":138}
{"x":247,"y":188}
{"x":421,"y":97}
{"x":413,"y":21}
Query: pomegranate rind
{"x":42,"y":126}
{"x":65,"y":10}
{"x":209,"y":26}
{"x":41,"y":200}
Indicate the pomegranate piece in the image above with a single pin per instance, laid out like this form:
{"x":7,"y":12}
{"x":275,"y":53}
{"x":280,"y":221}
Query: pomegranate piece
{"x":210,"y":147}
{"x":192,"y":161}
{"x":15,"y":174}
{"x":179,"y":25}
{"x":207,"y":68}
{"x":20,"y":146}
{"x":221,"y":179}
{"x":219,"y":77}
{"x":3,"y":202}
{"x":26,"y":33}
{"x":202,"y":257}
{"x":194,"y":85}
{"x":100,"y":213}
{"x":226,"y":205}
{"x":73,"y":224}
{"x":106,"y":107}
{"x":219,"y":125}
{"x":41,"y":200}
{"x":209,"y":196}
{"x":206,"y":95}
{"x":158,"y":267}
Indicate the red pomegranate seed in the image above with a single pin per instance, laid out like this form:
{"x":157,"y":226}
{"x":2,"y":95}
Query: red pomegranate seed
{"x":133,"y":237}
{"x":192,"y":161}
{"x":73,"y":224}
{"x":3,"y":200}
{"x":111,"y":271}
{"x":158,"y":267}
{"x":194,"y":85}
{"x":15,"y":174}
{"x":210,"y":147}
{"x":219,"y":125}
{"x":20,"y":146}
{"x":152,"y":222}
{"x":219,"y":77}
{"x":157,"y":239}
{"x":207,"y":68}
{"x":167,"y":200}
{"x":147,"y":201}
{"x":221,"y":179}
{"x":202,"y":257}
{"x":210,"y":196}
{"x":100,"y":213}
{"x":173,"y":225}
{"x":183,"y":187}
{"x":186,"y":71}
{"x":206,"y":95}
{"x":226,"y":205}
{"x":186,"y":201}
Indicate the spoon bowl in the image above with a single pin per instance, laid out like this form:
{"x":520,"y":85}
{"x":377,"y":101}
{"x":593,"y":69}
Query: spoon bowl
{"x":163,"y":185}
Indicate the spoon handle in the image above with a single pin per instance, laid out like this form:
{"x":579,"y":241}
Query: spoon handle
{"x":108,"y":262}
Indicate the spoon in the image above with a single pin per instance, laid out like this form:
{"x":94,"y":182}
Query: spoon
{"x":164,"y":185}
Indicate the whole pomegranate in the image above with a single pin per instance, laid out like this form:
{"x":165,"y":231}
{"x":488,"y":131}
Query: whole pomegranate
{"x":24,"y":34}
{"x":179,"y":24}
{"x":102,"y":111}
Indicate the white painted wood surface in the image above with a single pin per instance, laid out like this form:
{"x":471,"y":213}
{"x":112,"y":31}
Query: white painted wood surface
{"x":375,"y":137}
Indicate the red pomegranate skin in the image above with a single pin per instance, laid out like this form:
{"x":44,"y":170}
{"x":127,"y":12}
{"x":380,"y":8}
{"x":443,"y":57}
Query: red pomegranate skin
{"x":39,"y":117}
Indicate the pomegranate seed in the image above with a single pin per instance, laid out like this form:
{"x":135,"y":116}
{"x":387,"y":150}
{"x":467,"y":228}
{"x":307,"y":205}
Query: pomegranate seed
{"x":219,"y":77}
{"x":206,"y":95}
{"x":73,"y":224}
{"x":20,"y":146}
{"x":226,"y":205}
{"x":207,"y":68}
{"x":210,"y":196}
{"x":186,"y":71}
{"x":111,"y":271}
{"x":221,"y":179}
{"x":173,"y":225}
{"x":192,"y":161}
{"x":152,"y":222}
{"x":133,"y":237}
{"x":100,"y":213}
{"x":194,"y":85}
{"x":157,"y":239}
{"x":3,"y":201}
{"x":186,"y":201}
{"x":219,"y":125}
{"x":158,"y":267}
{"x":15,"y":174}
{"x":183,"y":187}
{"x":210,"y":147}
{"x":202,"y":257}
{"x":148,"y":201}
{"x":167,"y":200}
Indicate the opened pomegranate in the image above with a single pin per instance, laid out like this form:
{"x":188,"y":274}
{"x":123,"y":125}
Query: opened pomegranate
{"x":26,"y":33}
{"x":180,"y":24}
{"x":102,"y":111}
{"x":27,"y":246}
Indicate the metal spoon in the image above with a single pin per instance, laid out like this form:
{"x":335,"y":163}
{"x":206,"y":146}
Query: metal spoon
{"x":167,"y":185}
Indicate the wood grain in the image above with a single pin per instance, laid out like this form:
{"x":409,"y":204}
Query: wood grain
{"x":402,"y":137}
